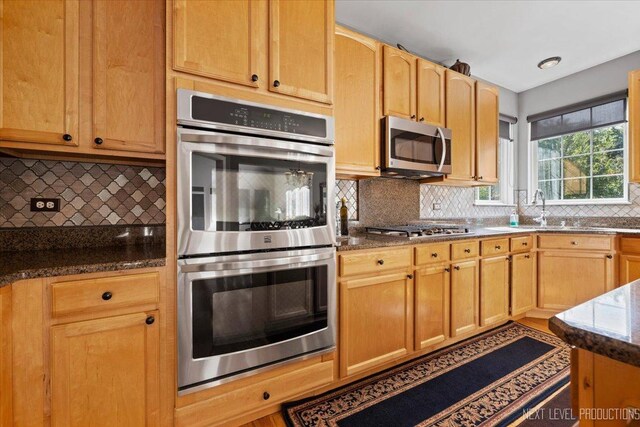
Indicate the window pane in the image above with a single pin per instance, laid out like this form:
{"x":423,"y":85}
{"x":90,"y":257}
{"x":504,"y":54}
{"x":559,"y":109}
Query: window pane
{"x":549,"y":169}
{"x":576,"y":143}
{"x":611,"y":138}
{"x":551,"y":189}
{"x":483,"y":193}
{"x":609,"y":163}
{"x":576,"y":166}
{"x":608,"y":187}
{"x":577,"y":188}
{"x":549,"y":148}
{"x":495,"y":192}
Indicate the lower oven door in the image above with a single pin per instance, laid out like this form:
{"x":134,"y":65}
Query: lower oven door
{"x":239,"y":314}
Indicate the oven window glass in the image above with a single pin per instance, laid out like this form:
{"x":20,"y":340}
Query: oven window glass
{"x":237,"y":193}
{"x":238,"y":313}
{"x":416,"y":148}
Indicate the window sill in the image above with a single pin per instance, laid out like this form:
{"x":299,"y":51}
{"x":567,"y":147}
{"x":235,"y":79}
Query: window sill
{"x":493,"y":203}
{"x":583,"y":203}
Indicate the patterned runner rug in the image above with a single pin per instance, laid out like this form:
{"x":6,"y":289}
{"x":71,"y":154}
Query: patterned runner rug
{"x":487,"y":380}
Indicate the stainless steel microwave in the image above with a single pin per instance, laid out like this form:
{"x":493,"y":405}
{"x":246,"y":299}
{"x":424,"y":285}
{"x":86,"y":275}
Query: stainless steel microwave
{"x":415,"y":149}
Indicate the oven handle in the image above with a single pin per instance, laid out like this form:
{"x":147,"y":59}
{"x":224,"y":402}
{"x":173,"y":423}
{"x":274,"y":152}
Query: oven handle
{"x":204,"y":266}
{"x":271,"y":144}
{"x":444,"y":148}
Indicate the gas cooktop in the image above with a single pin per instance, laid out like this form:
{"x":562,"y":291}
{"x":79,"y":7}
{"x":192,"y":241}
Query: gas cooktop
{"x":415,"y":231}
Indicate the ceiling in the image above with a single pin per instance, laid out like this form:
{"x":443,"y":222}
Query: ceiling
{"x":503,"y":41}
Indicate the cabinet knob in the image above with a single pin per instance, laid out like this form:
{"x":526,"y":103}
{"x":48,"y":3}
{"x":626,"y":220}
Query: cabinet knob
{"x":574,"y":243}
{"x":409,"y":276}
{"x":447,"y":269}
{"x":266,"y":395}
{"x":413,"y":116}
{"x":457,"y":267}
{"x":467,"y":251}
{"x":380,"y":261}
{"x":473,"y":177}
{"x":434,"y":255}
{"x":254,"y":78}
{"x":524,"y":243}
{"x":609,"y":256}
{"x":498,"y":247}
{"x":67,"y":137}
{"x":98,"y":141}
{"x":276,"y":83}
{"x":422,"y":119}
{"x":150,"y":320}
{"x":527,"y":256}
{"x":480,"y":177}
{"x":377,"y":168}
{"x":107,"y":296}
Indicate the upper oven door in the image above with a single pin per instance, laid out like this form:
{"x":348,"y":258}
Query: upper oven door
{"x":417,"y":147}
{"x":241,"y":193}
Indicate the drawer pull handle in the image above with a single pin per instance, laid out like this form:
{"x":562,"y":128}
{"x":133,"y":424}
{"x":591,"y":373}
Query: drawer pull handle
{"x":609,"y":256}
{"x":67,"y":137}
{"x":498,"y":247}
{"x":524,"y":243}
{"x":409,"y":276}
{"x":447,"y":269}
{"x":434,"y":255}
{"x":98,"y":141}
{"x":150,"y":320}
{"x":527,"y":256}
{"x":254,"y":78}
{"x":107,"y":296}
{"x":573,"y":242}
{"x":457,"y":267}
{"x":266,"y":395}
{"x":467,"y":251}
{"x":380,"y":261}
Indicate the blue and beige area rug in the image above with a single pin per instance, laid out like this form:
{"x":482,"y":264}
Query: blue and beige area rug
{"x":487,"y":380}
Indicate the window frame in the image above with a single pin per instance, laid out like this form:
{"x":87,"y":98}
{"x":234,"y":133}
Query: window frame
{"x":533,"y":163}
{"x":506,"y":174}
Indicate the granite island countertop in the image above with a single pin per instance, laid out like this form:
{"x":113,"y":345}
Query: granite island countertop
{"x":608,"y":325}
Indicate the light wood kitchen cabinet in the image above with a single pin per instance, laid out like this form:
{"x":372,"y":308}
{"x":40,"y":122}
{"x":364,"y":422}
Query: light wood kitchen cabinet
{"x":461,"y":119}
{"x":6,"y":357}
{"x":376,"y":321}
{"x":430,"y":105}
{"x":494,"y":290}
{"x":487,"y":138}
{"x":432,"y":290}
{"x":568,"y":278}
{"x":629,"y":268}
{"x":399,"y":83}
{"x":523,"y":283}
{"x":39,"y":89}
{"x":464,"y":298}
{"x":357,"y":104}
{"x":118,"y":383}
{"x":301,"y":39}
{"x":634,"y":125}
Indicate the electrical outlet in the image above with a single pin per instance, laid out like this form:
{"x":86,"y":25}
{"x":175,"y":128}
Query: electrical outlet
{"x":45,"y":205}
{"x":437,"y":206}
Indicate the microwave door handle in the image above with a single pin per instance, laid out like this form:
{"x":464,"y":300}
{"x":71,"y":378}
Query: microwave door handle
{"x":444,"y":149}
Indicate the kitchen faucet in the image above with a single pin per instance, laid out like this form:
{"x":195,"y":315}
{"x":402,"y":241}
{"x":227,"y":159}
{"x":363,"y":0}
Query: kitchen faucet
{"x":542,"y":219}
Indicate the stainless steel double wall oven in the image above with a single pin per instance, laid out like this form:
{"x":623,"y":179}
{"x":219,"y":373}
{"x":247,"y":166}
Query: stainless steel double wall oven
{"x":256,"y":235}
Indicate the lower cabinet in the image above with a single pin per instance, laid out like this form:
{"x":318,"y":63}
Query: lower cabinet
{"x":432,"y":287}
{"x":523,"y":283}
{"x":376,"y":320}
{"x":6,"y":386}
{"x":494,"y":290}
{"x":464,"y":297}
{"x":105,"y":372}
{"x":629,"y":268}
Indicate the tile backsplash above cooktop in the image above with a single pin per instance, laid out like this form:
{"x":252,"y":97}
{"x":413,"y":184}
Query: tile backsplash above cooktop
{"x":89,"y":193}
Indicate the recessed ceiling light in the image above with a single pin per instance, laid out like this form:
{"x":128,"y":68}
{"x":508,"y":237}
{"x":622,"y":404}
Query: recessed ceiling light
{"x":549,"y":62}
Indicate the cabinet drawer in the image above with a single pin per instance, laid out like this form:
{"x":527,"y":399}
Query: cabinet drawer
{"x":433,"y":253}
{"x":575,"y":242}
{"x":521,"y":244}
{"x":105,"y":293}
{"x":494,"y":247}
{"x":464,"y":250}
{"x":255,"y":396}
{"x":372,"y":262}
{"x":630,"y":245}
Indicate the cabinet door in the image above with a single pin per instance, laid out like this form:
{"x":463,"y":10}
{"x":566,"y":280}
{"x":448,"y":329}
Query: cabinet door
{"x":487,"y":121}
{"x":128,"y":75}
{"x":494,"y":290}
{"x":430,"y":93}
{"x":523,"y":283}
{"x":566,"y":279}
{"x":464,"y":298}
{"x":105,"y":372}
{"x":221,"y":40}
{"x":629,"y":268}
{"x":432,"y":305}
{"x":39,"y":71}
{"x":616,"y":390}
{"x":357,"y":104}
{"x":634,"y":125}
{"x":461,"y":119}
{"x":6,"y":397}
{"x":301,"y":38}
{"x":376,"y":321}
{"x":399,"y":83}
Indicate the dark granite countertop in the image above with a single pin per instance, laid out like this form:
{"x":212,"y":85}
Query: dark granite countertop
{"x":608,"y":325}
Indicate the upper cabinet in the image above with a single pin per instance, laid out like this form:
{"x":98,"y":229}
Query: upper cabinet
{"x":461,"y":110}
{"x":39,"y":72}
{"x":634,"y":124}
{"x":487,"y":125}
{"x":357,"y":104}
{"x":128,"y":75}
{"x":431,"y":93}
{"x":399,"y":74}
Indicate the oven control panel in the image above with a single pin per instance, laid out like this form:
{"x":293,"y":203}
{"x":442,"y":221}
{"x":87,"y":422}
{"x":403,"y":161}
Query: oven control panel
{"x":251,"y":116}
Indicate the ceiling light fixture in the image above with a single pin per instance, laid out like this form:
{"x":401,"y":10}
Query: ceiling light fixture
{"x":549,"y":62}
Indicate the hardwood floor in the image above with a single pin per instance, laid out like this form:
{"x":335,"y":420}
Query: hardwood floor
{"x":276,"y":420}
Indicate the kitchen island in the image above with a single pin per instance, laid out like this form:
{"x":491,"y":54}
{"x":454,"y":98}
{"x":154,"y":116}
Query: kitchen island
{"x":605,"y":361}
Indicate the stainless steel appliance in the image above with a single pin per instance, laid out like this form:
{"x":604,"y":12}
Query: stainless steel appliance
{"x":417,"y":231}
{"x":256,"y":221}
{"x":413,"y":149}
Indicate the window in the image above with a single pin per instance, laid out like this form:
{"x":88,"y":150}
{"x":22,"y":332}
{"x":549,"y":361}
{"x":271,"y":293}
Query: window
{"x":578,"y":156}
{"x":501,"y":193}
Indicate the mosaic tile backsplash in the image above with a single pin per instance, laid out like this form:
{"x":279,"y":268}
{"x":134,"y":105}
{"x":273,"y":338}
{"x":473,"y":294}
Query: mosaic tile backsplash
{"x":90,"y":193}
{"x":349,"y":190}
{"x":455,"y":202}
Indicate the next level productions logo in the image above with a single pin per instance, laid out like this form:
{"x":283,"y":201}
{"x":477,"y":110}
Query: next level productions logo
{"x":630,"y":414}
